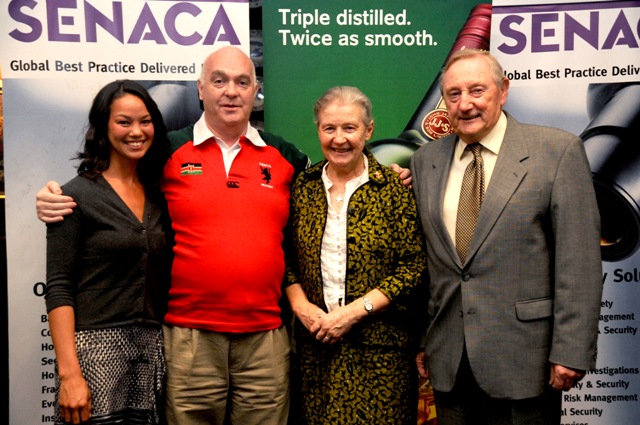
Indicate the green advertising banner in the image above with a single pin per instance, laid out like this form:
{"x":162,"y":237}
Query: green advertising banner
{"x":391,"y":50}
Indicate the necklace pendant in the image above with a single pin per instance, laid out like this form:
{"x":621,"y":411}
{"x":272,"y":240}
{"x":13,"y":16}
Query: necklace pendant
{"x":339,"y":198}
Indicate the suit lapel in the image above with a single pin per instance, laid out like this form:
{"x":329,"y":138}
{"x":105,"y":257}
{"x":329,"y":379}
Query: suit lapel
{"x":439,"y":174}
{"x":507,"y":175}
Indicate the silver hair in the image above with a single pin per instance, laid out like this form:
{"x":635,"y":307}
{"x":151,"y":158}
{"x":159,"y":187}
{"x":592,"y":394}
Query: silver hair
{"x":345,"y":94}
{"x":496,"y":68}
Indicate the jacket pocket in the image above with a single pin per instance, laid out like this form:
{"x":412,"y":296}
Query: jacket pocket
{"x":538,"y":308}
{"x":526,"y":196}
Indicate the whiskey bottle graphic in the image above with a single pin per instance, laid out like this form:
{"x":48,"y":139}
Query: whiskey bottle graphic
{"x":610,"y":141}
{"x":430,"y":120}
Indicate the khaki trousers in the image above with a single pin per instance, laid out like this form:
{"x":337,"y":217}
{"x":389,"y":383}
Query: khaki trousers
{"x":217,"y":378}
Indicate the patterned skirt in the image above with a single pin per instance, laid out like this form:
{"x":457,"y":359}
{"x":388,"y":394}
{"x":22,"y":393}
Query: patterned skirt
{"x":125,"y":370}
{"x":342,"y":384}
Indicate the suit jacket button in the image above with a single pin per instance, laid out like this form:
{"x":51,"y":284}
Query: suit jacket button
{"x":466,"y":277}
{"x":460,"y":313}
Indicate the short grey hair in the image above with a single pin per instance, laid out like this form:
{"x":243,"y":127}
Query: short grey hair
{"x":346,"y":94}
{"x":496,"y":68}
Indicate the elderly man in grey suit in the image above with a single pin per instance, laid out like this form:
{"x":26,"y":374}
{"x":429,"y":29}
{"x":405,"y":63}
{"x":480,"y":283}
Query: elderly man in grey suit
{"x":515,"y":275}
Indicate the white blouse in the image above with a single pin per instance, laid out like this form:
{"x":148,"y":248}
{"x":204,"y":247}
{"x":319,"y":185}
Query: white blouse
{"x":333,"y":251}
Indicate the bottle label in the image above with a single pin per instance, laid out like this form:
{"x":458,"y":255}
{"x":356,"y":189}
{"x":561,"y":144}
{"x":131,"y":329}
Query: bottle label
{"x":436,"y":124}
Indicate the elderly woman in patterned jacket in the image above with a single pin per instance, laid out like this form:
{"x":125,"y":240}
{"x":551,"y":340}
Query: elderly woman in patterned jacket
{"x":354,"y":274}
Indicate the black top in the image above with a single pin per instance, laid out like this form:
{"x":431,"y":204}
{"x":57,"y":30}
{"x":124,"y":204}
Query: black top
{"x":101,"y":260}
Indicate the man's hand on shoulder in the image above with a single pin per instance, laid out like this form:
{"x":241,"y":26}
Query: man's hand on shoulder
{"x":51,"y":204}
{"x":404,"y":174}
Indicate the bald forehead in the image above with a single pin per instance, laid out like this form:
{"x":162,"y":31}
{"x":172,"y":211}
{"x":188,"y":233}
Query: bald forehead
{"x":230,"y":60}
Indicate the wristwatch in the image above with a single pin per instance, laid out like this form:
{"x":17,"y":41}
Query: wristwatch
{"x":367,"y":305}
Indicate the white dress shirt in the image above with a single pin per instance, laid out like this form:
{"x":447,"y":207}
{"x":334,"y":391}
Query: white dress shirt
{"x":461,"y":158}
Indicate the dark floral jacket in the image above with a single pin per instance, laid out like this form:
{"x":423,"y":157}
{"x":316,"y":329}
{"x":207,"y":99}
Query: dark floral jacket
{"x":385,"y":250}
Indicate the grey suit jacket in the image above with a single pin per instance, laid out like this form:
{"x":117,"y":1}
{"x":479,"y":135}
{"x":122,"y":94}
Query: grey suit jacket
{"x":530,"y":292}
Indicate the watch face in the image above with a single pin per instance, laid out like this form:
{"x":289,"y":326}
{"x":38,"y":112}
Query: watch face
{"x":368,"y":306}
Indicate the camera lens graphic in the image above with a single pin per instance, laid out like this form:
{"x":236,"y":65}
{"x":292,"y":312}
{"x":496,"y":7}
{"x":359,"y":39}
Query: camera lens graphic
{"x":613,"y":149}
